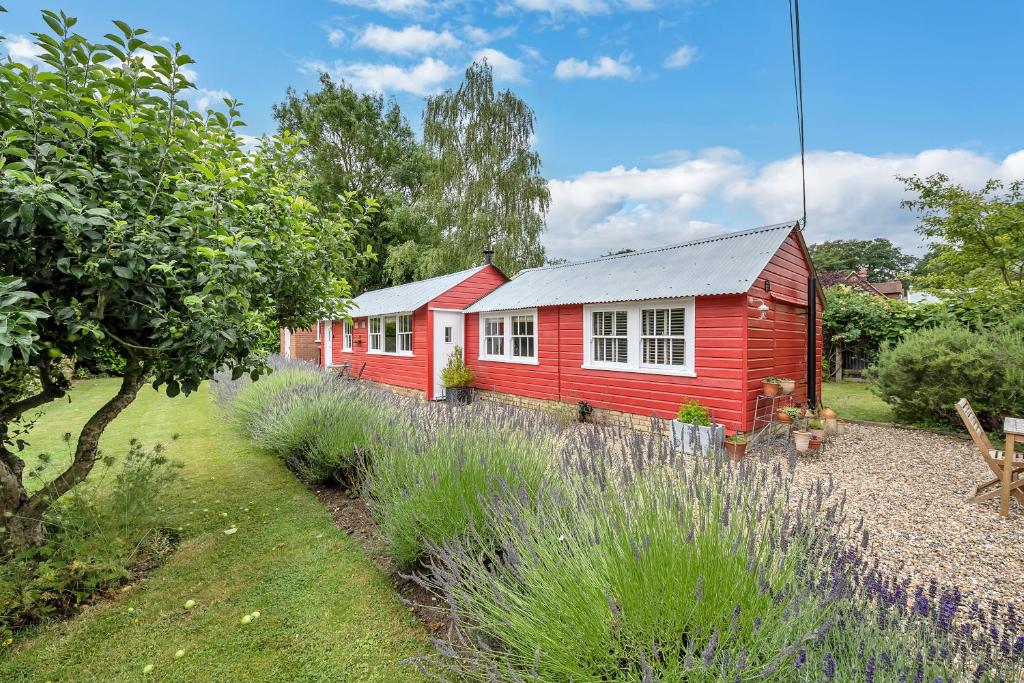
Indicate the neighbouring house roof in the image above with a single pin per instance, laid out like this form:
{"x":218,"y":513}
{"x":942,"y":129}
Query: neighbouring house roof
{"x":408,"y":297}
{"x":889,"y":287}
{"x":860,"y":281}
{"x":723,"y":264}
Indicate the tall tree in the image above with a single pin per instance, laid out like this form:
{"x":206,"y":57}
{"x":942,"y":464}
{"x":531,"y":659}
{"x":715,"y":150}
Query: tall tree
{"x":977,"y":250}
{"x":361,"y":143}
{"x":883,"y":259}
{"x":486,"y":189}
{"x":130,"y":221}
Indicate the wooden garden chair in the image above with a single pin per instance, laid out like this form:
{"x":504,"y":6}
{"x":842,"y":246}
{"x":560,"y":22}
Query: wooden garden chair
{"x":343,"y":369}
{"x":358,"y":375}
{"x":1007,"y":466}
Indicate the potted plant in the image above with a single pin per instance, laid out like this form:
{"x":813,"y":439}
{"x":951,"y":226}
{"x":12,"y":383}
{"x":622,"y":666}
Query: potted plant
{"x":788,"y":415}
{"x":814,"y":444}
{"x":830,"y":419}
{"x":770,"y":386}
{"x":817,"y":428}
{"x":736,"y":445}
{"x":693,"y":416}
{"x":456,"y":378}
{"x":787,"y":385}
{"x":801,"y":439}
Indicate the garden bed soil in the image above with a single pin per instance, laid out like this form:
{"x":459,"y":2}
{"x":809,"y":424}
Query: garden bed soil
{"x":351,"y":514}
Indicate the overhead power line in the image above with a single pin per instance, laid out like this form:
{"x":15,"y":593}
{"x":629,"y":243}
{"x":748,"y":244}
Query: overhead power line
{"x":798,"y":91}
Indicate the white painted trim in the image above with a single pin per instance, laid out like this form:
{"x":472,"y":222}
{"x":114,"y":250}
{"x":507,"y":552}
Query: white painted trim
{"x":287,"y":344}
{"x":347,"y":330}
{"x":442,"y":350}
{"x":328,"y":342}
{"x":633,"y":336}
{"x":447,"y":310}
{"x":507,"y":357}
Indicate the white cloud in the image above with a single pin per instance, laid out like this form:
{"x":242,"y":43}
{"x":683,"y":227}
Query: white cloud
{"x":388,"y":6}
{"x":849,"y":195}
{"x":583,"y":6}
{"x":532,"y":53}
{"x":505,"y":68}
{"x":603,"y":67}
{"x":422,"y":79}
{"x":202,"y":98}
{"x":410,"y":40}
{"x":335,"y":36}
{"x":681,"y":58}
{"x":22,"y":49}
{"x":482,"y":36}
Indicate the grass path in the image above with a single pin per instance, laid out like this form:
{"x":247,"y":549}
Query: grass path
{"x":854,"y":401}
{"x":327,"y":611}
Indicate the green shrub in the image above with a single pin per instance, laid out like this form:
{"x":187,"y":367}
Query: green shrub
{"x":102,"y":533}
{"x":692,"y":412}
{"x":428,"y":488}
{"x":924,"y":375}
{"x":251,"y":401}
{"x":455,"y":373}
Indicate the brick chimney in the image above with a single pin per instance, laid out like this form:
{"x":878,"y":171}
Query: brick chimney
{"x":863,"y":273}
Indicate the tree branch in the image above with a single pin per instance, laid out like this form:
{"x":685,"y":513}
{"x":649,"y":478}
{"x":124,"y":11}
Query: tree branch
{"x":51,"y":390}
{"x":88,"y":445}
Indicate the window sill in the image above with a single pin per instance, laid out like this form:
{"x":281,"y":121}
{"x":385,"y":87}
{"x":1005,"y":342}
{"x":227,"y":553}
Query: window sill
{"x":402,"y":354}
{"x":503,"y":359}
{"x":670,"y":372}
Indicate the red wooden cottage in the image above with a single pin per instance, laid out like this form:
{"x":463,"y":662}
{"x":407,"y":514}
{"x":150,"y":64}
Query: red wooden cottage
{"x":637,"y":333}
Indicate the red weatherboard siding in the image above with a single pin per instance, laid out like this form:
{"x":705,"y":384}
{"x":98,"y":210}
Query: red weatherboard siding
{"x":470,"y":290}
{"x":403,"y":371}
{"x":559,"y":375}
{"x":777,"y":345}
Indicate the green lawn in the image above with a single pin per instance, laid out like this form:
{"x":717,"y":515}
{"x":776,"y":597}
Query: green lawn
{"x":854,"y":401}
{"x":327,"y":611}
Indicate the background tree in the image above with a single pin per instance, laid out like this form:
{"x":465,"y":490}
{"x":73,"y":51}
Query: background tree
{"x":128,"y":220}
{"x":486,"y":189}
{"x":977,"y":241}
{"x":361,"y":143}
{"x":883,"y":259}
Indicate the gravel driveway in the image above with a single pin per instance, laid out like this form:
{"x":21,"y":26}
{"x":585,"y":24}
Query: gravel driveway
{"x":911,"y":487}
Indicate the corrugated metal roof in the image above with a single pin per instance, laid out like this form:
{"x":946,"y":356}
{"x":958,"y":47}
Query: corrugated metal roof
{"x":408,"y":297}
{"x":723,"y":264}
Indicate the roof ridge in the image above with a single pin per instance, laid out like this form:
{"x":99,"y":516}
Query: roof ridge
{"x":419,"y":282}
{"x":652,"y":250}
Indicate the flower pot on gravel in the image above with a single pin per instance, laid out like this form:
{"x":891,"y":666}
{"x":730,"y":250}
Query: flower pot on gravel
{"x":736,"y":446}
{"x":801,"y":440}
{"x":788,"y":386}
{"x":458,"y":396}
{"x":770,"y":388}
{"x":814,"y":444}
{"x":707,"y":437}
{"x":831,"y":426}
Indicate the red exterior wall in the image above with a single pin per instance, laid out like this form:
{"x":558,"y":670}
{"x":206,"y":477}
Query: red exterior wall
{"x":559,"y":376}
{"x":734,"y":351}
{"x":777,"y":345}
{"x":415,"y":371}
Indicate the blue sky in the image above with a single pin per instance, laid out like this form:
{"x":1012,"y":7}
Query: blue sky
{"x":656,"y":121}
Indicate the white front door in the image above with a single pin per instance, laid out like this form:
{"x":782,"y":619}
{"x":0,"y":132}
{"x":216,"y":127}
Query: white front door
{"x":449,"y":331}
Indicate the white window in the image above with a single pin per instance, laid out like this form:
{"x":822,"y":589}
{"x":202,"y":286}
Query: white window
{"x":653,"y":337}
{"x":609,"y":340}
{"x":509,"y":337}
{"x":346,"y":335}
{"x":447,"y":334}
{"x":375,"y":336}
{"x":391,"y":334}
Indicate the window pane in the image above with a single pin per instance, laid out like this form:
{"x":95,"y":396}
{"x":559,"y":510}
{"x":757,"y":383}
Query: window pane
{"x":678,"y":325}
{"x":390,"y":329}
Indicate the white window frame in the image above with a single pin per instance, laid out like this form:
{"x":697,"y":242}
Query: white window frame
{"x":318,"y":324}
{"x":634,"y":356}
{"x":381,"y":321}
{"x":507,"y":356}
{"x":346,"y":336}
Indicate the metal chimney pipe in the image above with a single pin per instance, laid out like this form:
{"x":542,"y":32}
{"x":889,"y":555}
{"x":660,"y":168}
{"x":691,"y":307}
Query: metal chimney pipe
{"x":488,"y":256}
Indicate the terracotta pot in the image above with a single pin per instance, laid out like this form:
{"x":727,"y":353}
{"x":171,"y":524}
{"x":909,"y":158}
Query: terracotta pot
{"x":814,"y":444}
{"x":827,"y":414}
{"x":788,"y":386}
{"x":783,"y":417}
{"x":802,"y":440}
{"x":736,"y":450}
{"x":770,"y":388}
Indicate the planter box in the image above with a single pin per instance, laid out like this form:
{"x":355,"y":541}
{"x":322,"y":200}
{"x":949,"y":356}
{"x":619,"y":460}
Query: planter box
{"x":458,"y":396}
{"x":707,"y":437}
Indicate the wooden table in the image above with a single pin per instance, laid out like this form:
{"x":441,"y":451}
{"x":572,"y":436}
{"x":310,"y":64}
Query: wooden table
{"x":1014,"y":428}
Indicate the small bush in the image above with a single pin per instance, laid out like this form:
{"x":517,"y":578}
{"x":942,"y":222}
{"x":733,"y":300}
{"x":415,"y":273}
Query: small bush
{"x":252,"y":399}
{"x":924,"y":375}
{"x":692,"y":412}
{"x":99,"y":535}
{"x":455,"y":373}
{"x":428,"y":486}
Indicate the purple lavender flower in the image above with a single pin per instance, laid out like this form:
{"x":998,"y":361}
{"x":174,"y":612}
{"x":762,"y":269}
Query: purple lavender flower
{"x":801,"y":658}
{"x":829,"y":666}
